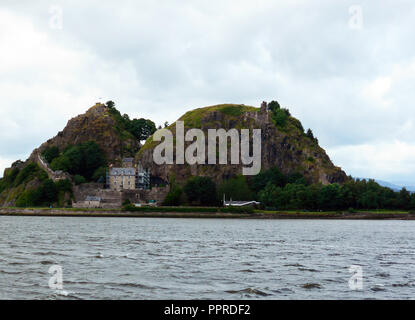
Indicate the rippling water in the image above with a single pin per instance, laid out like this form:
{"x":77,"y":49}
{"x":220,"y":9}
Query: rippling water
{"x":138,"y":258}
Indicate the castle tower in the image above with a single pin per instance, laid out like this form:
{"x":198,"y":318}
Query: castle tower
{"x":264,"y":107}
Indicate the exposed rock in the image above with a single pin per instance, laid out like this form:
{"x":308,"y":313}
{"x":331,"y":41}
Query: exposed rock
{"x":97,"y":125}
{"x":288,"y":149}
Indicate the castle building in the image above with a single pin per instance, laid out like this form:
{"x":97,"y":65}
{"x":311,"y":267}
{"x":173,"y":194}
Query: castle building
{"x":129,"y":177}
{"x":128,"y":162}
{"x":122,"y":179}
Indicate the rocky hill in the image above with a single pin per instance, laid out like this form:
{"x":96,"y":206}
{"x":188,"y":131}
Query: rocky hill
{"x":99,"y":125}
{"x":284,"y":145}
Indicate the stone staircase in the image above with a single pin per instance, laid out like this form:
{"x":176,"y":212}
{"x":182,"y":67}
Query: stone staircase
{"x":53,"y":175}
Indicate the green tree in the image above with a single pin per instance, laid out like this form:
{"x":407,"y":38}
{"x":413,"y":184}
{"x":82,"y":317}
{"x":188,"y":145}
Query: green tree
{"x":50,"y":153}
{"x":81,"y":159}
{"x":142,"y":128}
{"x":404,"y":199}
{"x":201,"y":191}
{"x":296,"y":178}
{"x":64,"y":185}
{"x":61,"y":163}
{"x":273,"y":176}
{"x":99,"y":174}
{"x":310,"y":134}
{"x":273,"y":106}
{"x":412,"y":203}
{"x":27,"y":173}
{"x":110,"y":104}
{"x":280,"y":117}
{"x":74,"y":157}
{"x":267,"y":196}
{"x":173,"y":198}
{"x":78,"y":179}
{"x":329,"y":197}
{"x":92,"y":159}
{"x":236,"y":188}
{"x":49,"y":191}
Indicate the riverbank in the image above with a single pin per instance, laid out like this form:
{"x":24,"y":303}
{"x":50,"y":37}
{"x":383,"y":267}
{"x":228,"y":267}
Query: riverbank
{"x":258,"y":214}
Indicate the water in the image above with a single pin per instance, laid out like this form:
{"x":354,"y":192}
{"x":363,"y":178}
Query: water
{"x":140,"y":258}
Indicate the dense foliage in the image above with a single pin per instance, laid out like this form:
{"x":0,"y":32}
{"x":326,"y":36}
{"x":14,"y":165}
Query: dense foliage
{"x":282,"y":119}
{"x":49,"y":154}
{"x":293,"y":192}
{"x":46,"y":194}
{"x":277,"y":191}
{"x":174,"y":197}
{"x":14,"y":177}
{"x":141,"y":128}
{"x":279,"y":115}
{"x":86,"y":160}
{"x":201,"y":191}
{"x":235,"y":189}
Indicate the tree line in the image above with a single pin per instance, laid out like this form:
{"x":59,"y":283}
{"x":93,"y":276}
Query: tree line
{"x":277,"y":191}
{"x":141,"y":128}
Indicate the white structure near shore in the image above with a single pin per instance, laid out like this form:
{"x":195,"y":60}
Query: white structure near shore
{"x":240,"y":203}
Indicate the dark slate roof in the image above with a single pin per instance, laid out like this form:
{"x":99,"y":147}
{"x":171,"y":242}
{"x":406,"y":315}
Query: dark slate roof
{"x":91,"y":198}
{"x":122,"y":172}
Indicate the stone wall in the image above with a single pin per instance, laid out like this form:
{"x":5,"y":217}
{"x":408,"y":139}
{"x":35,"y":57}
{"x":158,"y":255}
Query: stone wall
{"x":110,"y":198}
{"x":114,"y":199}
{"x":157,"y":193}
{"x":87,"y":204}
{"x":143,"y":196}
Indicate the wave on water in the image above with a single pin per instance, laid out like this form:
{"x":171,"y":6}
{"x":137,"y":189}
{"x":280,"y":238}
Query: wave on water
{"x":49,"y":253}
{"x":311,"y":286}
{"x":247,"y":270}
{"x":249,"y":291}
{"x":161,"y":259}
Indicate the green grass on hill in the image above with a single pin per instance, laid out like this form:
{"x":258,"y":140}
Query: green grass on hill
{"x":193,"y":118}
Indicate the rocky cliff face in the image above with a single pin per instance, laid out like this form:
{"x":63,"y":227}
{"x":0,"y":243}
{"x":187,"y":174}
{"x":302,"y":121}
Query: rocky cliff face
{"x":98,"y":125}
{"x":287,"y":148}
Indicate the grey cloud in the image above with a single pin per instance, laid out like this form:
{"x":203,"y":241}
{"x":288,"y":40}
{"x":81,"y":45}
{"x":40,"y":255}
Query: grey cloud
{"x":159,"y":61}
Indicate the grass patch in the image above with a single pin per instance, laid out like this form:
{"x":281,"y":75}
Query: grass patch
{"x":193,"y":119}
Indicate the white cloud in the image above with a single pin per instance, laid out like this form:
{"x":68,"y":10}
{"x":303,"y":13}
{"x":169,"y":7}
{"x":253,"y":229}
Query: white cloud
{"x":393,"y":161}
{"x":43,"y":84}
{"x":377,"y":89}
{"x":354,"y":88}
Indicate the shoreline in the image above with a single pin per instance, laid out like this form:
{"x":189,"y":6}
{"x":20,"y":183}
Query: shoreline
{"x":363,"y":215}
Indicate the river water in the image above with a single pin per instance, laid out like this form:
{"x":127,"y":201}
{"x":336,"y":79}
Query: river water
{"x":151,"y":258}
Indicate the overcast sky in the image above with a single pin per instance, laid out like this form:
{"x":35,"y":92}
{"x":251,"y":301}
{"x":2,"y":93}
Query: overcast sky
{"x":344,"y":68}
